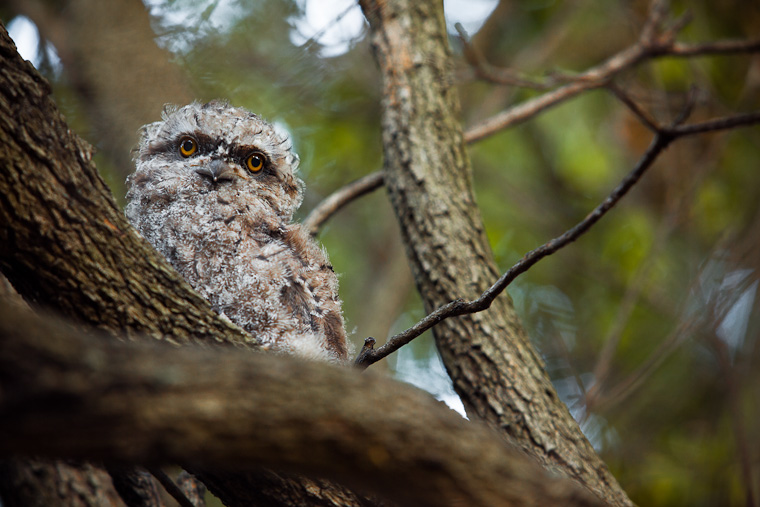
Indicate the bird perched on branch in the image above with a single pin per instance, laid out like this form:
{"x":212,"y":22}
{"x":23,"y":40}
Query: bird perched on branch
{"x":214,"y":191}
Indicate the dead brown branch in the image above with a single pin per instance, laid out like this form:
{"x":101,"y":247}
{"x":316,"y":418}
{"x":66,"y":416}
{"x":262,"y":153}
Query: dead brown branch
{"x":713,"y":48}
{"x":644,"y":117}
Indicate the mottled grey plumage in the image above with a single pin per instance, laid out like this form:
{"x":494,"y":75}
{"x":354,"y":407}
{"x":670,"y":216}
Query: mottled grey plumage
{"x":214,"y":191}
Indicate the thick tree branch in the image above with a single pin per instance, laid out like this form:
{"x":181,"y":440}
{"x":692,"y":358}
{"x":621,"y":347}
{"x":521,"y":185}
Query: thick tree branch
{"x":35,"y":482}
{"x":68,"y":394}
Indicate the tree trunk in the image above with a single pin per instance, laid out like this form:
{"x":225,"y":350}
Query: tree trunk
{"x":493,"y":365}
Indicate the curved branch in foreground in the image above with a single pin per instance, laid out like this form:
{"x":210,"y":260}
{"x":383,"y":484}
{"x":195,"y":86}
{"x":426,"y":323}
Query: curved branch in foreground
{"x":662,"y":140}
{"x":68,"y":394}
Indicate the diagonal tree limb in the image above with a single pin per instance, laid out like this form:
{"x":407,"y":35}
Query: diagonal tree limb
{"x":656,"y":40}
{"x":661,"y":141}
{"x":599,"y":77}
{"x":461,"y":307}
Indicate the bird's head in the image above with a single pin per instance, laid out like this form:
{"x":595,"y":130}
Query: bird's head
{"x":219,"y":150}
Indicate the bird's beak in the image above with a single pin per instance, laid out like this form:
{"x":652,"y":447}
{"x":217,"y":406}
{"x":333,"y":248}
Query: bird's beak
{"x":217,"y":170}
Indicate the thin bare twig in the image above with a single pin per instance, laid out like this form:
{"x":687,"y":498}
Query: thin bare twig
{"x":725,"y":123}
{"x":488,"y":72}
{"x":340,"y":198}
{"x":600,"y":397}
{"x":457,"y":307}
{"x":367,"y":349}
{"x":461,"y":307}
{"x":653,"y":42}
{"x":645,"y":118}
{"x":650,"y":45}
{"x":713,"y":48}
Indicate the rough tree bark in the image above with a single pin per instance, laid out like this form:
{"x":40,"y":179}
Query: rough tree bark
{"x":90,"y":397}
{"x":42,"y":483}
{"x":34,"y":482}
{"x":62,"y":230}
{"x":493,"y":365}
{"x":65,"y":245}
{"x":117,"y":103}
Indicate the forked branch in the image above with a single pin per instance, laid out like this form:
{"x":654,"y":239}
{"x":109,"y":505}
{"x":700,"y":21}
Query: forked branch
{"x":657,"y":40}
{"x":656,"y":45}
{"x":662,"y":139}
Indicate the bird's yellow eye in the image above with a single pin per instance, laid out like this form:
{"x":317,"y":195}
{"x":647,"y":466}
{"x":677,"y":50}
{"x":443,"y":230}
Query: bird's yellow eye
{"x":255,"y":162}
{"x":187,"y":146}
